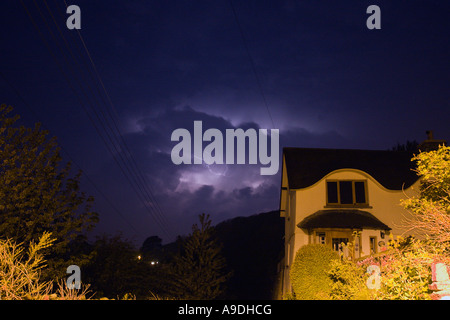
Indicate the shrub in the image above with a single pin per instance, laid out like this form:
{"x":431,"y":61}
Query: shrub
{"x":406,"y":274}
{"x":349,"y":281}
{"x":431,"y":208}
{"x":65,"y":293}
{"x":309,"y":272}
{"x":406,"y":269}
{"x":20,"y":271}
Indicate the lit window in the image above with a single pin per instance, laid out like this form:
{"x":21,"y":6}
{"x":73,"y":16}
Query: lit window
{"x":346,"y":192}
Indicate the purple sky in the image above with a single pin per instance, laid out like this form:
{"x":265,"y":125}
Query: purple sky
{"x":327,"y":80}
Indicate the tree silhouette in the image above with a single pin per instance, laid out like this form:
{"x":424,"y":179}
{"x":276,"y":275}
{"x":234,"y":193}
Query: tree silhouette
{"x":408,"y":146}
{"x":37,"y":195}
{"x":198,"y":270}
{"x":151,"y":248}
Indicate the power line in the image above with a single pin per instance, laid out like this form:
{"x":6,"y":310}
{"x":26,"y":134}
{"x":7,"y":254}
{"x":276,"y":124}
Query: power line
{"x":116,"y":133}
{"x":65,"y":151}
{"x":252,"y":62}
{"x":139,"y":193}
{"x":137,"y":170}
{"x":86,"y":110}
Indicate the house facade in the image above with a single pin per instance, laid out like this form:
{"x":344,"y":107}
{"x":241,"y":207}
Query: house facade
{"x":335,"y":196}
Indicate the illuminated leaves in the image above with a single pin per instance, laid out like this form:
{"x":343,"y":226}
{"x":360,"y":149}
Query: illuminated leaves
{"x":431,"y":209}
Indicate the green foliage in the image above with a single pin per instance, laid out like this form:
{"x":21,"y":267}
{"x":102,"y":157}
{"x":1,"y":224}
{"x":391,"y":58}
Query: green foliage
{"x":405,"y":272}
{"x":289,"y":296}
{"x":37,"y":195}
{"x":349,"y":281}
{"x":64,"y":293}
{"x":154,"y":296}
{"x":431,"y":209}
{"x":198,"y":271}
{"x":309,"y":272}
{"x":20,"y":269}
{"x":20,"y":273}
{"x":406,"y":268}
{"x":433,"y":168}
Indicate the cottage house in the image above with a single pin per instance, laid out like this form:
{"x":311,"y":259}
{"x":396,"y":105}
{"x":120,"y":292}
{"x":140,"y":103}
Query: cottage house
{"x":328,"y":194}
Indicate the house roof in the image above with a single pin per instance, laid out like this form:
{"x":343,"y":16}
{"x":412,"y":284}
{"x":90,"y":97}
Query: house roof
{"x":306,"y":166}
{"x":342,"y":218}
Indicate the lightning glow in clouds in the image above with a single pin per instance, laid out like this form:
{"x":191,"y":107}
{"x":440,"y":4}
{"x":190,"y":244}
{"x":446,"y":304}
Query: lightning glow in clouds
{"x":213,"y":152}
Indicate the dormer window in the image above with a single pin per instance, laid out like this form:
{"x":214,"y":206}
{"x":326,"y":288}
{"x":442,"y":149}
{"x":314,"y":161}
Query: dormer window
{"x":347,"y":192}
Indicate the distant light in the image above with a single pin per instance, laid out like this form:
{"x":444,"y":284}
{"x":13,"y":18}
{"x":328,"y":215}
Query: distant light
{"x":139,"y":257}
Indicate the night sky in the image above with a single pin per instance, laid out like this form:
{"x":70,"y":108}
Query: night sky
{"x":311,"y":69}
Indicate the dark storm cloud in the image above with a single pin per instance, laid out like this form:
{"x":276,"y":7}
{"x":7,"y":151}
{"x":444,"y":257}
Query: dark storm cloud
{"x":223,"y":191}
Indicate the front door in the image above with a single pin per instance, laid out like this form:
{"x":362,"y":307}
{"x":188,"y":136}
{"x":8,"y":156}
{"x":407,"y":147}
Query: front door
{"x":334,"y":238}
{"x":338,"y":243}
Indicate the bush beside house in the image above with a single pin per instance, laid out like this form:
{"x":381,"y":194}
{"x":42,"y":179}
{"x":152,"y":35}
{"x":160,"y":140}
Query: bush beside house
{"x":309,"y":273}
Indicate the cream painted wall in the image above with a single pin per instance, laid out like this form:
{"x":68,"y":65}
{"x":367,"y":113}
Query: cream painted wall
{"x":385,"y":203}
{"x":365,"y":240}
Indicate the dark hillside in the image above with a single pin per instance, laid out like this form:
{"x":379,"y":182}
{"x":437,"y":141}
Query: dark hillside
{"x":252,"y":246}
